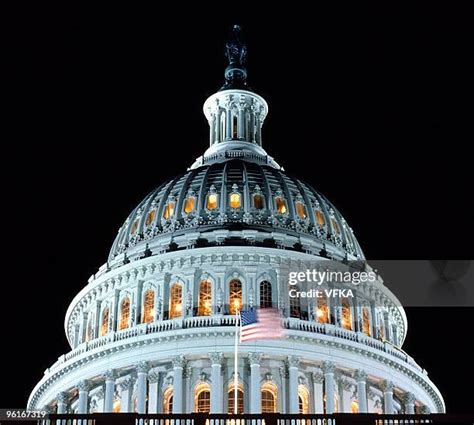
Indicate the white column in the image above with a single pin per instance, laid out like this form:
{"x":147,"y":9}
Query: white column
{"x":142,"y":372}
{"x":109,"y":391}
{"x":409,"y":403}
{"x":318,"y":397}
{"x":293,"y":363}
{"x":387,"y":387}
{"x":361,"y":378}
{"x":216,"y":382}
{"x":83,"y":388}
{"x":284,"y":387}
{"x":255,"y":377}
{"x":153,"y":378}
{"x":178,"y":366}
{"x":62,"y":402}
{"x":126,"y":387}
{"x":328,"y":368}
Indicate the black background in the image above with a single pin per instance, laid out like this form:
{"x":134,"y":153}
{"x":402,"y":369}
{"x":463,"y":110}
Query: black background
{"x":370,"y":105}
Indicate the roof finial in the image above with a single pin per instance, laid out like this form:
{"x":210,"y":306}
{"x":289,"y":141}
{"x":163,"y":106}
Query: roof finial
{"x":236,"y":53}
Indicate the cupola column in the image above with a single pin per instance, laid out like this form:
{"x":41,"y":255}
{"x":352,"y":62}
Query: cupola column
{"x":293,"y":363}
{"x":318,"y":379}
{"x":178,"y":365}
{"x":216,"y":382}
{"x":109,"y":391}
{"x":142,"y":373}
{"x":83,"y":389}
{"x":328,"y":368}
{"x":255,"y":377}
{"x":409,"y":403}
{"x":62,"y":402}
{"x":361,"y":378}
{"x":387,"y":388}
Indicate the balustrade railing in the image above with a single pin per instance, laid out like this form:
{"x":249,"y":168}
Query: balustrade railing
{"x":229,"y":321}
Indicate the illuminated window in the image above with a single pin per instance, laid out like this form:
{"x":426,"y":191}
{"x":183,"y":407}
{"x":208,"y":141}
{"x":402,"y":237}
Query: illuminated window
{"x":322,"y":310}
{"x":320,"y":218}
{"x":104,"y":326}
{"x":211,"y":203}
{"x":295,"y":305}
{"x":168,"y":400}
{"x":150,"y":217}
{"x":300,"y":210}
{"x":124,"y":313}
{"x":235,"y":296}
{"x":258,"y":202}
{"x":205,"y":298}
{"x":280,"y":205}
{"x":335,"y":226}
{"x":240,"y":400}
{"x":176,"y":301}
{"x":149,"y":306}
{"x":303,"y":399}
{"x":235,"y":200}
{"x":265,"y":294}
{"x":269,"y":398}
{"x":168,"y":211}
{"x":90,"y":328}
{"x":354,"y":407}
{"x":116,"y":407}
{"x":189,"y":204}
{"x":202,"y":399}
{"x":134,"y":229}
{"x":366,"y":321}
{"x":346,"y":314}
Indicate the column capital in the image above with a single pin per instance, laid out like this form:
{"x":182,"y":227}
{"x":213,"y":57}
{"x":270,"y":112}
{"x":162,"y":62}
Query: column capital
{"x":83,"y":386}
{"x":409,"y":398}
{"x":62,"y":397}
{"x":143,"y":367}
{"x":318,"y":376}
{"x":110,"y":375}
{"x":360,"y":375}
{"x":216,"y":358}
{"x":179,"y":362}
{"x":255,"y":358}
{"x":387,"y":386}
{"x":293,"y":361}
{"x":425,"y":410}
{"x":153,"y":377}
{"x":328,"y":367}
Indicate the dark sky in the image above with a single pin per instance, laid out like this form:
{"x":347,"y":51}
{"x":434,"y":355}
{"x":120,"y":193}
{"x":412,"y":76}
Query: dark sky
{"x":370,"y":106}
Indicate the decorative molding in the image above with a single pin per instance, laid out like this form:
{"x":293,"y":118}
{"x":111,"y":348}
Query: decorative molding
{"x":179,"y":361}
{"x":142,"y":367}
{"x":328,"y":367}
{"x":255,"y":358}
{"x":293,"y":361}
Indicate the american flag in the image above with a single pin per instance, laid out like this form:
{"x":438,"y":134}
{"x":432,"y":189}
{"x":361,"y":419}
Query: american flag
{"x":264,"y":323}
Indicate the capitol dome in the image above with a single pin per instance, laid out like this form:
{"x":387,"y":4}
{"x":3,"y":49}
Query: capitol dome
{"x":236,"y":201}
{"x":154,"y":329}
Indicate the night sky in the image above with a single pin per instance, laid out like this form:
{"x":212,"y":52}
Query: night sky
{"x":369,"y":106}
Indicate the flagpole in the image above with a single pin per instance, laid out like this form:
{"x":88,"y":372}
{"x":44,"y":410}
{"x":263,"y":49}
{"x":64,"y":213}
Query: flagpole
{"x":236,"y":348}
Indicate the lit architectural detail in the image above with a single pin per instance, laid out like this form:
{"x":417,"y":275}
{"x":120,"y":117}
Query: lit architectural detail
{"x":207,"y":244}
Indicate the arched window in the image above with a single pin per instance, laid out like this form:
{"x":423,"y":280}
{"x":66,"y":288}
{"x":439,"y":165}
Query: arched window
{"x":205,"y":298}
{"x":280,"y":205}
{"x":300,"y":209}
{"x":189,"y":204}
{"x":149,"y":306}
{"x":124,"y":313}
{"x":265,"y":294}
{"x":212,"y":200}
{"x":168,"y":400}
{"x":322,"y":310}
{"x":223,"y":135}
{"x":104,"y":326}
{"x":176,"y":301}
{"x":235,"y":296}
{"x":240,"y":400}
{"x":234,"y":126}
{"x":346,"y":314}
{"x":90,"y":328}
{"x":335,"y":226}
{"x":168,"y":212}
{"x":235,"y":200}
{"x":303,"y":400}
{"x":381,"y":327}
{"x":366,"y":321}
{"x":258,"y":201}
{"x":150,"y":217}
{"x":202,"y":398}
{"x":354,"y":407}
{"x":295,"y":305}
{"x":320,"y":217}
{"x":269,"y":398}
{"x":117,"y":405}
{"x":134,"y":228}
